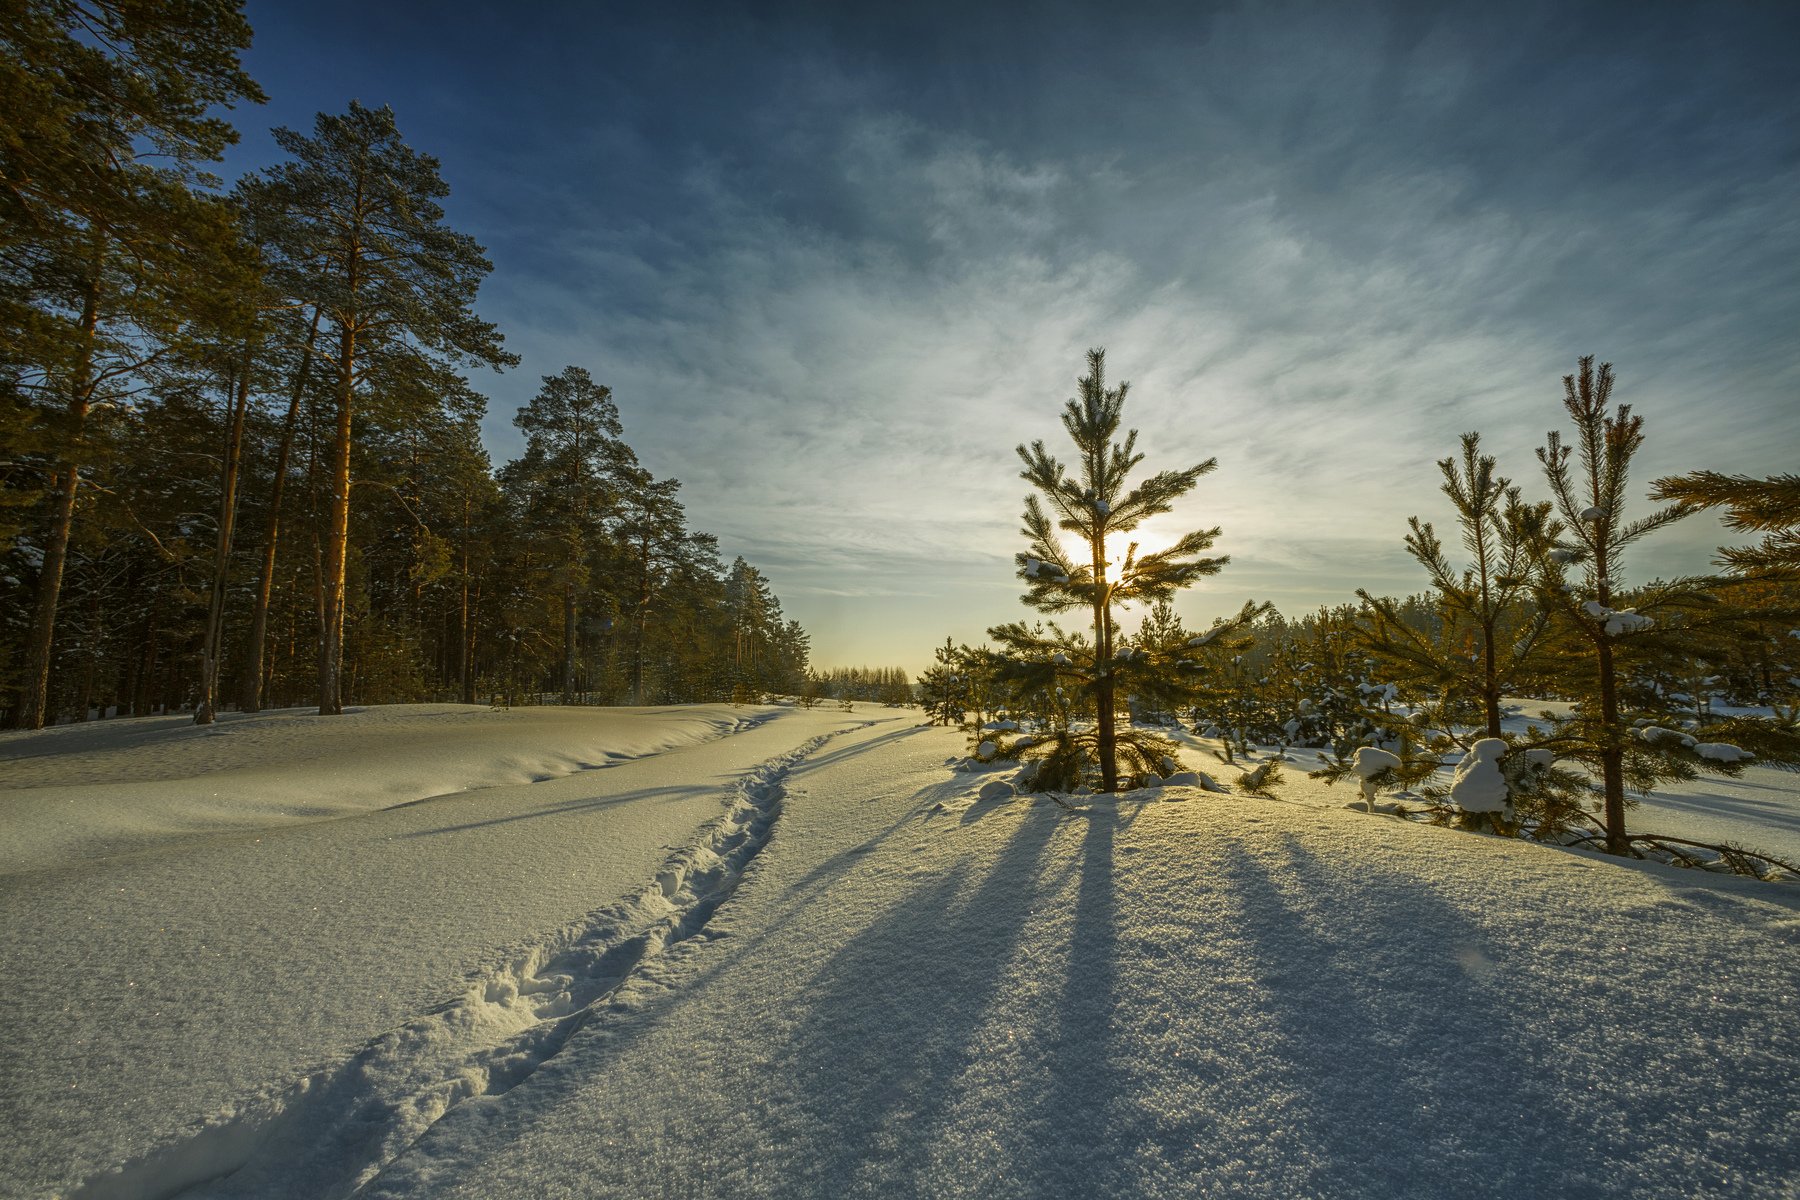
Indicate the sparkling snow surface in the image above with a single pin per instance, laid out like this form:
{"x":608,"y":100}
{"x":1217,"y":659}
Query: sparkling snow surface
{"x":808,"y":959}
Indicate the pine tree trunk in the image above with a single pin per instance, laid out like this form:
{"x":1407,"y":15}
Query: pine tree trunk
{"x":228,"y":487}
{"x":171,"y":684}
{"x":1103,"y":680}
{"x":91,"y":667}
{"x":471,"y":666}
{"x":315,"y":527}
{"x":128,"y":661}
{"x":1490,"y":671}
{"x":643,"y":615}
{"x":144,"y":686}
{"x":637,"y":654}
{"x":35,"y":692}
{"x":265,"y":578}
{"x":1612,"y":755}
{"x":337,"y":539}
{"x":1490,"y":694}
{"x":568,"y":670}
{"x":128,"y":687}
{"x":464,"y":639}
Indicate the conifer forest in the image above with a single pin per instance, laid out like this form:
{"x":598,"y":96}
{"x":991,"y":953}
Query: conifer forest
{"x":240,"y":460}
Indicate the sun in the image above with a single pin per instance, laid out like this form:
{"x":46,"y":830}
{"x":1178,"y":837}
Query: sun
{"x":1153,"y":536}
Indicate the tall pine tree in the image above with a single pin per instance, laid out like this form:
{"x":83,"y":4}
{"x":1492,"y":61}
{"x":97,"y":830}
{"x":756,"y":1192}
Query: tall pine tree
{"x":573,"y":462}
{"x":653,"y":543}
{"x":394,"y":282}
{"x":108,"y":249}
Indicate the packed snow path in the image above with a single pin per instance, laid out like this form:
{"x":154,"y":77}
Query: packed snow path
{"x":154,"y":993}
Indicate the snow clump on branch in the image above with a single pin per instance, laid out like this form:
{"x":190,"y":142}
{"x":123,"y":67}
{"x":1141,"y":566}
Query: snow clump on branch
{"x":1723,"y":752}
{"x":1478,"y":785}
{"x":1618,"y":620}
{"x":1370,"y":763}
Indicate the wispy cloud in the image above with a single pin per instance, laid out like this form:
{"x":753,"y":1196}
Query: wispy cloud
{"x":836,"y":271}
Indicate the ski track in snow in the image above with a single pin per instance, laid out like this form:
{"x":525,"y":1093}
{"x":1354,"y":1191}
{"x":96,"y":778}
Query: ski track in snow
{"x":332,"y":1132}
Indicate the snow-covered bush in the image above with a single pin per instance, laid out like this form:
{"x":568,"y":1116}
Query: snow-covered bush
{"x":1373,"y":769}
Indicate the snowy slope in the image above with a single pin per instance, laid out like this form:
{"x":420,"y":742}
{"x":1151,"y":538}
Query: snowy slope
{"x":113,"y":787}
{"x":150,"y":992}
{"x":805,"y":960}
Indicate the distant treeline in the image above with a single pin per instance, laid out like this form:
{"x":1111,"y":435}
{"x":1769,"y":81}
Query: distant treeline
{"x":240,"y":460}
{"x":885,"y":685}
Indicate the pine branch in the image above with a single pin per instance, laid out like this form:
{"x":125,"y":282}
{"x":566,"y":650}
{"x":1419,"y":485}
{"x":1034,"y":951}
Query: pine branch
{"x":1752,"y":505}
{"x":1776,"y":553}
{"x":1651,"y":523}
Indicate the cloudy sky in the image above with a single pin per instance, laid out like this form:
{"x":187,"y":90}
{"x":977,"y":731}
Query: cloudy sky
{"x":835,"y":264}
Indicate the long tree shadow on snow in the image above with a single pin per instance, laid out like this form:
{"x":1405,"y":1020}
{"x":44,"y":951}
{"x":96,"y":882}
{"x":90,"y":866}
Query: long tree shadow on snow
{"x":569,"y":807}
{"x":721,"y":783}
{"x":854,"y":749}
{"x":1407,"y":1070}
{"x":893,"y":1016}
{"x":1080,"y":1158}
{"x":1776,"y":809}
{"x":844,"y":860}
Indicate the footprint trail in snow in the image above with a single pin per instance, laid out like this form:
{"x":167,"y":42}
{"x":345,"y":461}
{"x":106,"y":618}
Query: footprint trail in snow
{"x":333,"y":1131}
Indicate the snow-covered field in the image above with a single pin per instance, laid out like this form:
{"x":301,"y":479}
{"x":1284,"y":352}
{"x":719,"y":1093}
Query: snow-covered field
{"x":82,"y":791}
{"x":781,"y":952}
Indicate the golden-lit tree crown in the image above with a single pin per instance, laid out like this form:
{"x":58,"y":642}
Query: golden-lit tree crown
{"x":1095,"y":503}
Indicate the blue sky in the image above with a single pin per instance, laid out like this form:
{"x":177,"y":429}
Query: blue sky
{"x":837,"y":260}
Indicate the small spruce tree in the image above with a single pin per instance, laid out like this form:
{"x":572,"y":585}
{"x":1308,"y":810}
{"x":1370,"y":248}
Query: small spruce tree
{"x":1625,"y":727}
{"x":1094,"y":505}
{"x":1486,"y":631}
{"x":944,"y":687}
